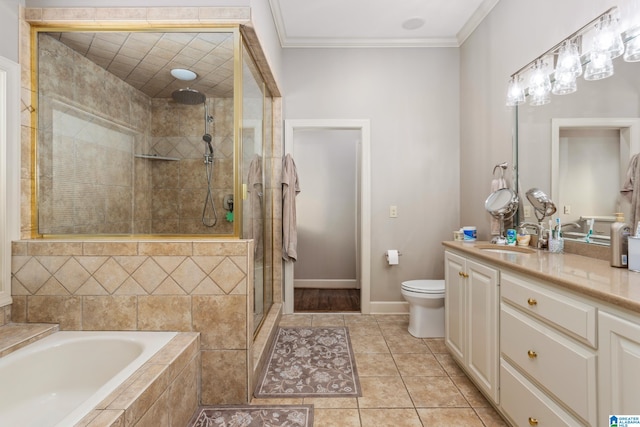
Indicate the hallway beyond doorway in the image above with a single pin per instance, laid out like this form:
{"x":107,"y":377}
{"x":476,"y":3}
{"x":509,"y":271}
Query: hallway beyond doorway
{"x":326,"y":300}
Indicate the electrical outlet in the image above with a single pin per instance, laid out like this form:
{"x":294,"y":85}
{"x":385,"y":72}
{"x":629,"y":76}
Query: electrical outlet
{"x":567,"y":209}
{"x":393,"y":211}
{"x":527,"y":211}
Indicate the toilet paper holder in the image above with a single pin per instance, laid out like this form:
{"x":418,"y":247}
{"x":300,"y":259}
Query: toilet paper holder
{"x":387,"y":255}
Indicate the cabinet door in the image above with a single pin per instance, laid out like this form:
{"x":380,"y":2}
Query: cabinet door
{"x":482,"y":326}
{"x":618,"y":367}
{"x":454,"y":305}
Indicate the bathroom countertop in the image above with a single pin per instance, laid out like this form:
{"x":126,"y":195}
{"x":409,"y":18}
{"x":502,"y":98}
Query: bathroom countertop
{"x":588,"y":276}
{"x":16,"y":335}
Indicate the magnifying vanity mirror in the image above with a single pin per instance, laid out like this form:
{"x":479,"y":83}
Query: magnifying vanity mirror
{"x":502,"y":204}
{"x":577,"y":148}
{"x":542,"y":205}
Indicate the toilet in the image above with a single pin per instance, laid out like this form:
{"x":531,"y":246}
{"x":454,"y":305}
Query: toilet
{"x":426,"y":307}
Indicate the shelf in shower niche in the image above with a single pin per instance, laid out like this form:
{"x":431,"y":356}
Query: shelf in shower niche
{"x":155,"y":157}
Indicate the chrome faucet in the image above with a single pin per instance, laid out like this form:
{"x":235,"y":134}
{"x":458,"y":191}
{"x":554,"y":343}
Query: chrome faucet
{"x":541,"y":232}
{"x":573,"y":224}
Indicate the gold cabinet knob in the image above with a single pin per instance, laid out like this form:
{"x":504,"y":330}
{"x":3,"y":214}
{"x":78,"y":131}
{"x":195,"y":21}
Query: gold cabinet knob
{"x":532,"y":354}
{"x":463,"y":274}
{"x":533,"y":421}
{"x":532,"y":301}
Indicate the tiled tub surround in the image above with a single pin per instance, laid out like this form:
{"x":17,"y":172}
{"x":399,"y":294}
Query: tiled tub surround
{"x":163,"y":391}
{"x":91,"y":126}
{"x":175,"y":285}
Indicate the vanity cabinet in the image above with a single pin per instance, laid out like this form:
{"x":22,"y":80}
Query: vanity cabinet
{"x":471,"y":319}
{"x":618,"y":365}
{"x":548,"y":354}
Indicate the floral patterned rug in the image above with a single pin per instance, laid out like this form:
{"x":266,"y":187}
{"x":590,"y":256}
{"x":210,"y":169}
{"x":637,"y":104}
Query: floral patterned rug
{"x":254,"y":416}
{"x":310,"y":362}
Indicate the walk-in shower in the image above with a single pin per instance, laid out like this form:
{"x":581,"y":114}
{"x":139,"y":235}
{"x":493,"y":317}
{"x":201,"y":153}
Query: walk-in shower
{"x":190,"y":96}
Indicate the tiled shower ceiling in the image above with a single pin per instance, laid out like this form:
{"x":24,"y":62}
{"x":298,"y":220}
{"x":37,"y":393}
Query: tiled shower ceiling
{"x":144,"y":59}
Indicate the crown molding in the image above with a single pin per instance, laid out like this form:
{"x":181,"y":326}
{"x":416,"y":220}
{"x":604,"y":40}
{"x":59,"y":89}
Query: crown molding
{"x":287,"y":41}
{"x":478,"y":16}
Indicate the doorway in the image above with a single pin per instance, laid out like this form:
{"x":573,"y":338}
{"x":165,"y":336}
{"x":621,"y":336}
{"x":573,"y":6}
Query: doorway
{"x":332,"y":158}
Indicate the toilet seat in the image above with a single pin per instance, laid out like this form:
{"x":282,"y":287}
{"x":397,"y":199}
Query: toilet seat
{"x":424,"y":286}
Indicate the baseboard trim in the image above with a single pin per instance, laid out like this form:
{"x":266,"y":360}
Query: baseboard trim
{"x":389,"y":307}
{"x":325,"y":284}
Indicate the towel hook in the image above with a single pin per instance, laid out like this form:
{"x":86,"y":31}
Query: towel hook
{"x":502,"y":166}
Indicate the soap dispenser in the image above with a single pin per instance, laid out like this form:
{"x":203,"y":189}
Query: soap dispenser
{"x":620,"y":232}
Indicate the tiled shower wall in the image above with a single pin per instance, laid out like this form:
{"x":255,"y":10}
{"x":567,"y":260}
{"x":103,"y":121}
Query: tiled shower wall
{"x":186,"y":286}
{"x":180,"y":187}
{"x":88,"y":145}
{"x":91,"y":124}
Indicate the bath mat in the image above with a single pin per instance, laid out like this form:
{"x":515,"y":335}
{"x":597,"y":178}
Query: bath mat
{"x":310,"y":362}
{"x":254,"y":416}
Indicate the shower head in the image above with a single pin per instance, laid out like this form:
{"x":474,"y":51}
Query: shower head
{"x":188,"y":96}
{"x":207,"y":139}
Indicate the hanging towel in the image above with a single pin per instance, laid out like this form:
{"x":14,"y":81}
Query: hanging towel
{"x":290,"y":189}
{"x":497,"y":184}
{"x":631,"y":189}
{"x":254,"y":217}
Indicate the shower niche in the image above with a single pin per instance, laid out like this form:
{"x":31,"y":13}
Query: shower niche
{"x":124,"y":148}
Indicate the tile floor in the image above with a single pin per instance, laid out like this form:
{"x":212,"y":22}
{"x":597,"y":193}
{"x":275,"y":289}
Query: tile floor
{"x":406,"y":381}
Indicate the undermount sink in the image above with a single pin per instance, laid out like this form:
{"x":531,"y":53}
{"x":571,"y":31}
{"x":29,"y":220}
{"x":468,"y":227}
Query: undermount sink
{"x":505,"y":249}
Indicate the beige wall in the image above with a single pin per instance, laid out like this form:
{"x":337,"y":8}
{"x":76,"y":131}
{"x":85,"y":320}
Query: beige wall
{"x":411,"y":98}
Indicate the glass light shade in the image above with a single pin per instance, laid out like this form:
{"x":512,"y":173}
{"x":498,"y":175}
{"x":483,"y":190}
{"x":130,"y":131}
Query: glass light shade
{"x":565,"y":83}
{"x":599,"y":67}
{"x":607,"y":37}
{"x":540,"y":99}
{"x":539,"y":87}
{"x":632,"y":51}
{"x":569,"y":59}
{"x":515,"y":92}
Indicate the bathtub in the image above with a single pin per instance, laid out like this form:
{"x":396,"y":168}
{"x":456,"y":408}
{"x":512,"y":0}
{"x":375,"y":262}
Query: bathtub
{"x":58,"y":379}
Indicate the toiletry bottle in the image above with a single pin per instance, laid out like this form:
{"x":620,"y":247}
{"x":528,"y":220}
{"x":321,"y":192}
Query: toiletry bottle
{"x":619,"y":241}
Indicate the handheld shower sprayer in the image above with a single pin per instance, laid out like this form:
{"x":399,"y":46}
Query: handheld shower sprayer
{"x":193,"y":97}
{"x":207,"y":139}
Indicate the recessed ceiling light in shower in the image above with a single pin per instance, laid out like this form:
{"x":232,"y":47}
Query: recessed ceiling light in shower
{"x":182,"y":74}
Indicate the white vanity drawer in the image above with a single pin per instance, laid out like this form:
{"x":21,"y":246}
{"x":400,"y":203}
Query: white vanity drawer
{"x":525,"y":405}
{"x":574,"y":317}
{"x":564,"y":368}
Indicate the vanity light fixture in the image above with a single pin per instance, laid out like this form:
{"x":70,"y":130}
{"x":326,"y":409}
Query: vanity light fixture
{"x":515,"y":93}
{"x":539,"y":85}
{"x":568,"y":68}
{"x":607,"y":43}
{"x":632,"y":51}
{"x":183,"y":74}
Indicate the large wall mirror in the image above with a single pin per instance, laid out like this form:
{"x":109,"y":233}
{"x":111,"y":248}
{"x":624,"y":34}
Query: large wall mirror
{"x":577,"y":149}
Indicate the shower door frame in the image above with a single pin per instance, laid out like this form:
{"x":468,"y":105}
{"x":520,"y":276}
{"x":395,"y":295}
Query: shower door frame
{"x":364,"y":202}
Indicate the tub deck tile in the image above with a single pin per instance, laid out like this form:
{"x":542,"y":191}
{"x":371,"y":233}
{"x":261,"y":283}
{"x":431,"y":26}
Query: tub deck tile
{"x":14,"y":336}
